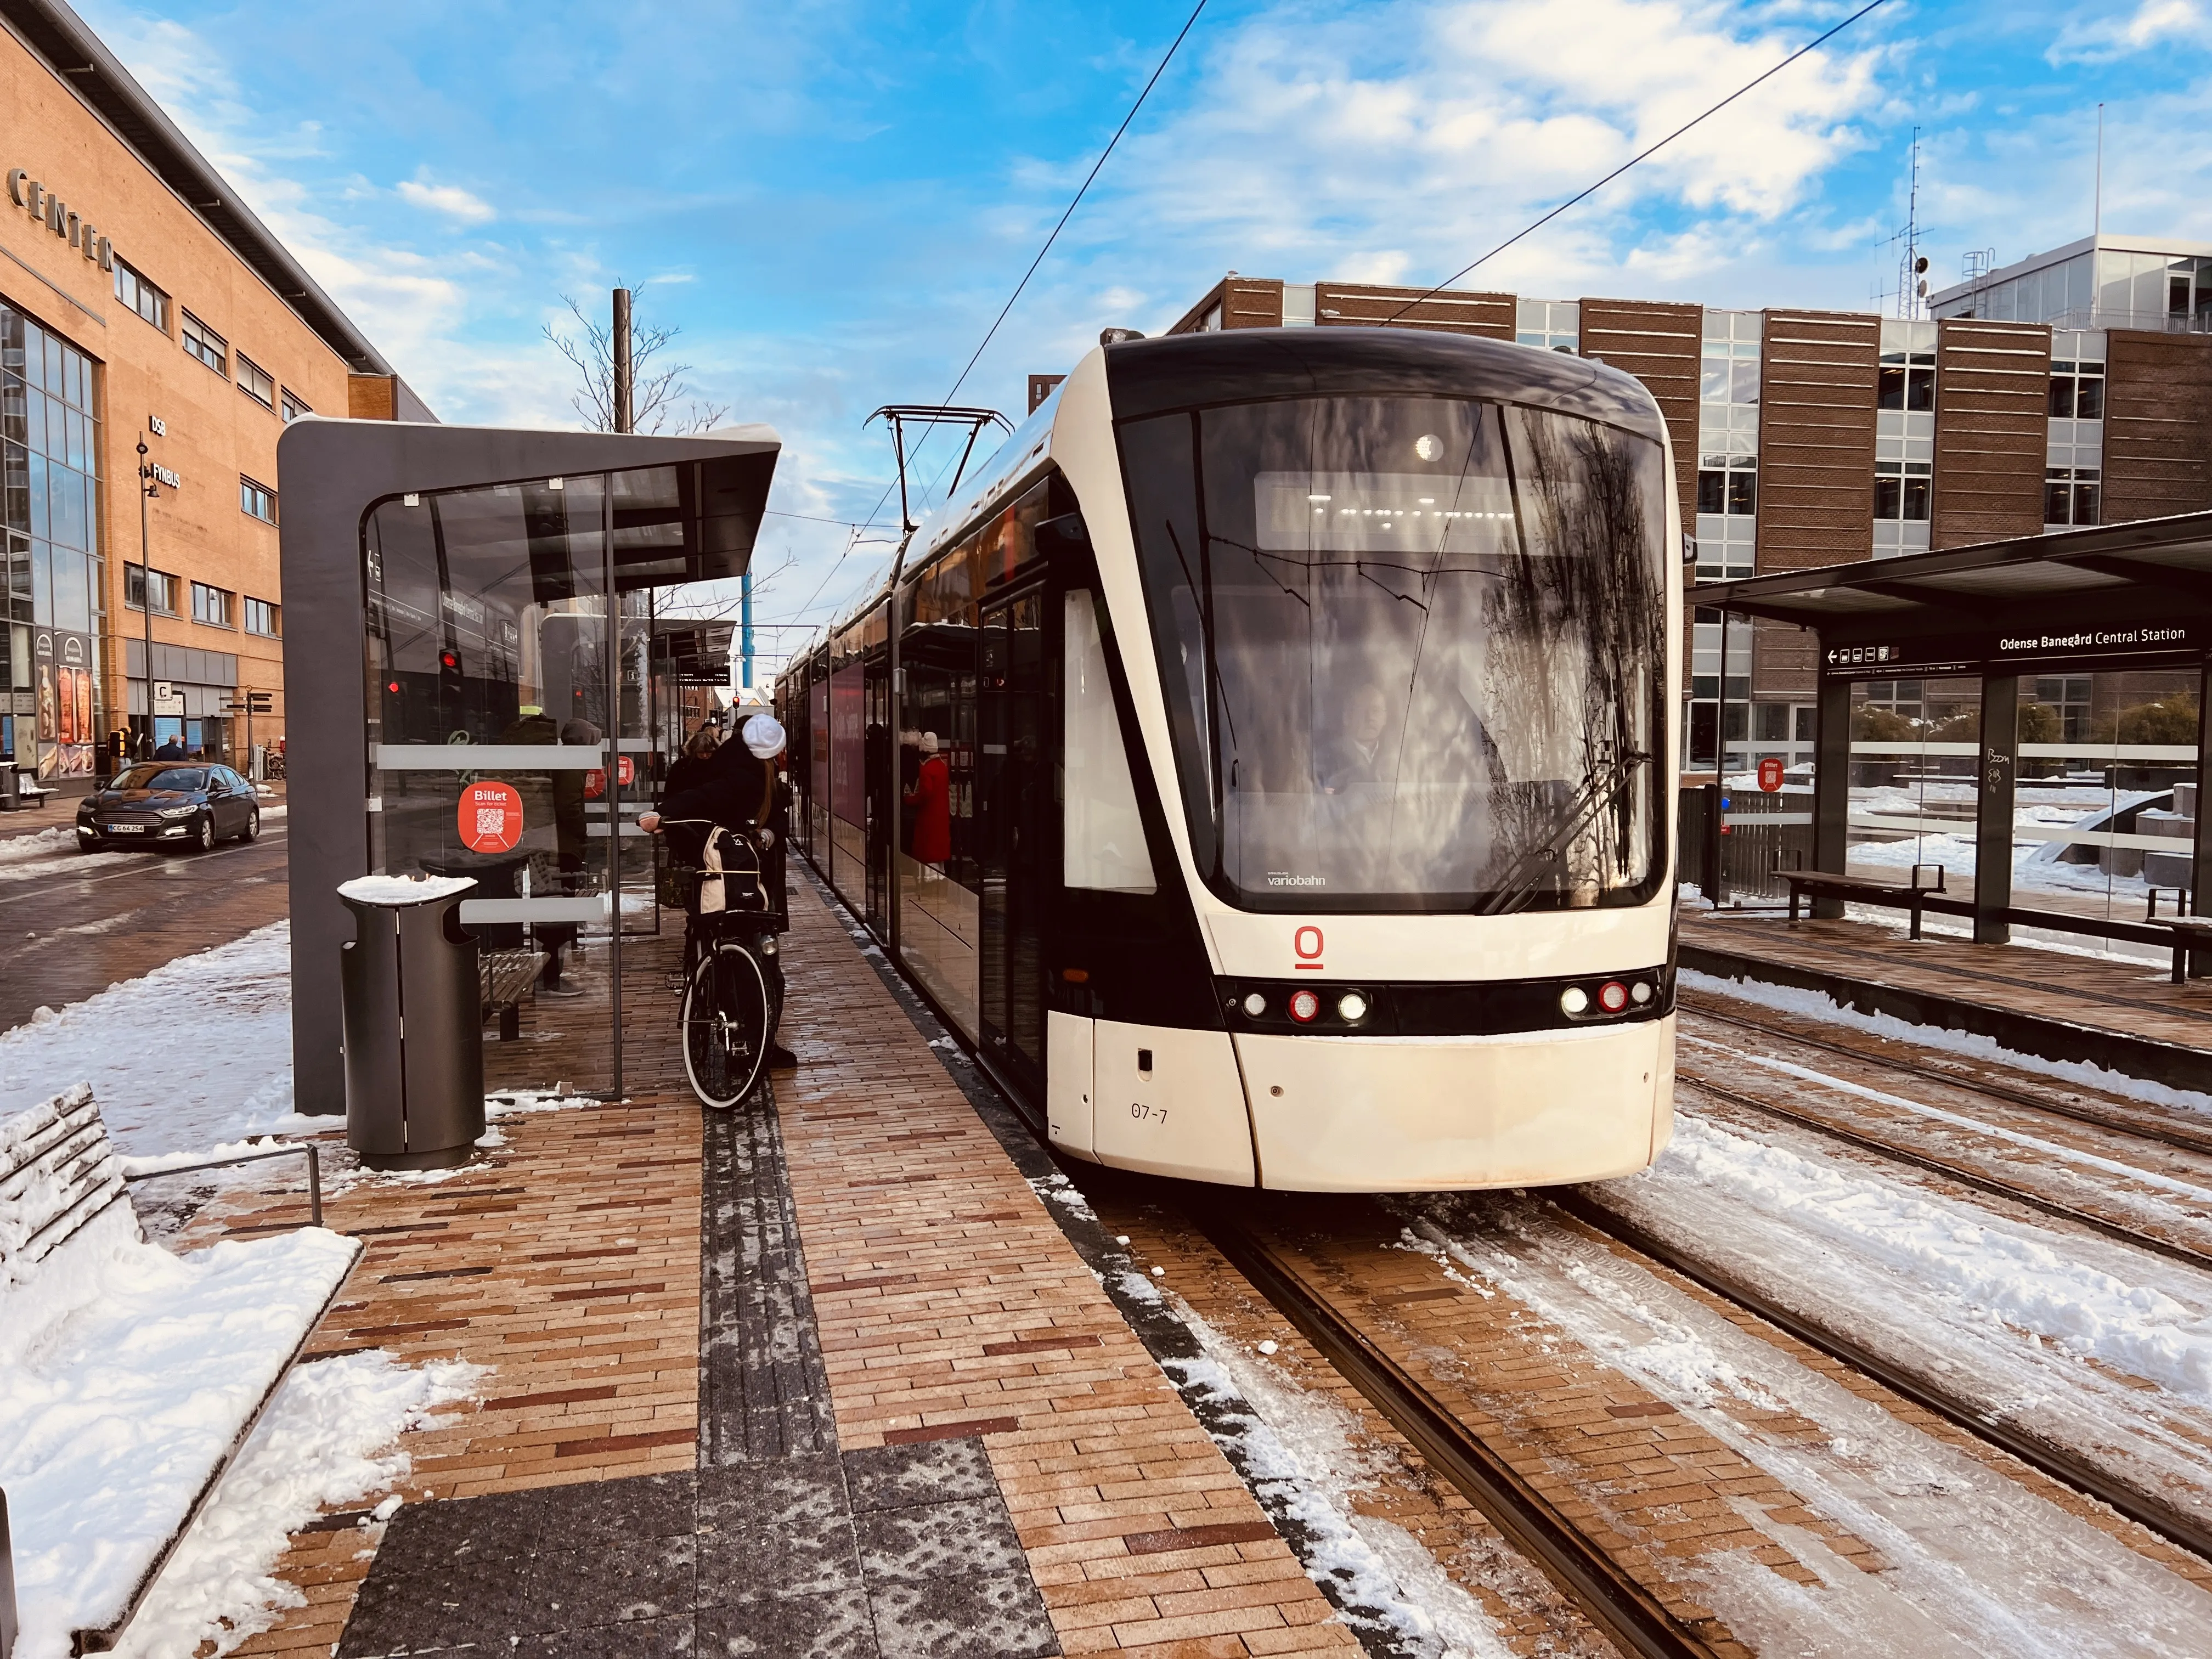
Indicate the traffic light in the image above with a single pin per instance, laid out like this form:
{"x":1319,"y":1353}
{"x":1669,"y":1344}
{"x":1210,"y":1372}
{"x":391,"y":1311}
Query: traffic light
{"x":449,"y":676}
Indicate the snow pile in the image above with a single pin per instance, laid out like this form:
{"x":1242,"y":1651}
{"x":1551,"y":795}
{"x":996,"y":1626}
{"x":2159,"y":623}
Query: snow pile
{"x":317,"y":1448}
{"x":403,"y":889}
{"x":1818,"y":1004}
{"x":125,"y":1373}
{"x":73,"y":863}
{"x":1990,"y":1270}
{"x":39,"y":844}
{"x":198,"y":1051}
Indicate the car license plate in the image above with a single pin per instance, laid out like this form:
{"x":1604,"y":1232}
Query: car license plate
{"x":126,"y":830}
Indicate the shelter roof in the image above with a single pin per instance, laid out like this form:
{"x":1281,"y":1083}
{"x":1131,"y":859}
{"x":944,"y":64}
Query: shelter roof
{"x":2051,"y":579}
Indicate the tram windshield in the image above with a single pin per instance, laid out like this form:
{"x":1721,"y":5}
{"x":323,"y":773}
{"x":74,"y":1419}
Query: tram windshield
{"x":1413,"y":650}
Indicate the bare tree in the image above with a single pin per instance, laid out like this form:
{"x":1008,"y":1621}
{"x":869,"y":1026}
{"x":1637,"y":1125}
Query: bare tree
{"x":653,"y":389}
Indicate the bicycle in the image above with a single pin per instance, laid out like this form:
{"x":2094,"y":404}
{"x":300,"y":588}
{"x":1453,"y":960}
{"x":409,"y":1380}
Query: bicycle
{"x":732,"y":984}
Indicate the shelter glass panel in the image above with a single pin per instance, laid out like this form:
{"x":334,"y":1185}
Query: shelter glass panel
{"x":490,"y":641}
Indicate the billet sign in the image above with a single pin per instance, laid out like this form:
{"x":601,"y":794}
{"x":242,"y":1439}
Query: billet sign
{"x":490,"y":817}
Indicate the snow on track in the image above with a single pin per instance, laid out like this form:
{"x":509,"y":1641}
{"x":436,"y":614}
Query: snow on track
{"x":1975,"y":1564}
{"x":2042,"y":1327}
{"x":1815,"y":1004}
{"x":1299,"y":1452}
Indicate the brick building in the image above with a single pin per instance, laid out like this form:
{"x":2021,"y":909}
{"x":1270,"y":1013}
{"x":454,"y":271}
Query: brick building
{"x":2072,"y":388}
{"x":140,"y":300}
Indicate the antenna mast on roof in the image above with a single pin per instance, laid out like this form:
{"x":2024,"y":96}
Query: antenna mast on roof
{"x":1912,"y":267}
{"x":900,"y":417}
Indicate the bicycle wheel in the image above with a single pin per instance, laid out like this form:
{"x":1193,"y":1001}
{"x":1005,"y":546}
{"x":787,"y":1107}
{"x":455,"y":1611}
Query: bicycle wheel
{"x":724,"y":1018}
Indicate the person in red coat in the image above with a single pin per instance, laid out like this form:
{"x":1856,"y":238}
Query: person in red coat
{"x":931,"y":798}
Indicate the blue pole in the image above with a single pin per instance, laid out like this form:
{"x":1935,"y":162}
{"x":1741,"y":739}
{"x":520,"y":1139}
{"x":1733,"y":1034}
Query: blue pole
{"x":745,"y":645}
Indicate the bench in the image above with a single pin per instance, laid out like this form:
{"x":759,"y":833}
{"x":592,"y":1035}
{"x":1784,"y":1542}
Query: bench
{"x":28,"y":791}
{"x":2190,"y":933}
{"x":129,"y":1377}
{"x":505,"y":977}
{"x":1911,"y":894}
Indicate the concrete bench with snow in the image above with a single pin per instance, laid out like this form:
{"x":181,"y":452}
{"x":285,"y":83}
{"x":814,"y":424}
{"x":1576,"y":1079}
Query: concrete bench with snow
{"x":129,"y":1377}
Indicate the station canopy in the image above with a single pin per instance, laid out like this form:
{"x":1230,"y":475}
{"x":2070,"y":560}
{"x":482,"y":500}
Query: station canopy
{"x":2118,"y":596}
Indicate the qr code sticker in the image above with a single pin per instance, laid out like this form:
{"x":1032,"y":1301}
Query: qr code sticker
{"x":491,"y":822}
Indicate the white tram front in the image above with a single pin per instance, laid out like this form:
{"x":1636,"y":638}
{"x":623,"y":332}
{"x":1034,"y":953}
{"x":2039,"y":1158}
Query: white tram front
{"x":1266,"y":764}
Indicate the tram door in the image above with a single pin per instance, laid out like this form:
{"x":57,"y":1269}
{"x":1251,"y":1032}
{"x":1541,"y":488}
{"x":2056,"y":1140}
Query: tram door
{"x":1014,"y":791}
{"x":879,"y":769}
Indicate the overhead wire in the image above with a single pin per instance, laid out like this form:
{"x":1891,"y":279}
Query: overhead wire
{"x":991,"y":333}
{"x":1583,"y":195}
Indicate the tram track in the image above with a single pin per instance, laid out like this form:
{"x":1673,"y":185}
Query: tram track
{"x":1995,"y":1187}
{"x":2062,"y":1464}
{"x":1604,"y":1590}
{"x":1964,"y":1074}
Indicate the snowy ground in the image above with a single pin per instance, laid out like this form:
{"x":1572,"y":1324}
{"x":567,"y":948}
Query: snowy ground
{"x":196,"y":1052}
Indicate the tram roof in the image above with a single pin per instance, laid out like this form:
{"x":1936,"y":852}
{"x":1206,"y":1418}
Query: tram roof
{"x":2048,"y":580}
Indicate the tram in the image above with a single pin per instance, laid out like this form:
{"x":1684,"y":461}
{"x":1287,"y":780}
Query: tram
{"x":1265,"y":762}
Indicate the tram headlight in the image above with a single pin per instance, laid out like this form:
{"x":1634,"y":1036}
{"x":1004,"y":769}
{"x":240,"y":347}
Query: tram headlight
{"x":1574,"y":1000}
{"x":1305,"y":1007}
{"x":1639,"y":993}
{"x":1352,"y":1007}
{"x":1613,"y":996}
{"x":1255,"y":1005}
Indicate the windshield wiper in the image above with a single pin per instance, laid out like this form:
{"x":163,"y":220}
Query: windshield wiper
{"x":1604,"y":784}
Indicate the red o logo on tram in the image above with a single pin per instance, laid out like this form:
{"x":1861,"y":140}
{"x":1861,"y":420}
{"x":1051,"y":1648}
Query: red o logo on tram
{"x":1306,"y":942}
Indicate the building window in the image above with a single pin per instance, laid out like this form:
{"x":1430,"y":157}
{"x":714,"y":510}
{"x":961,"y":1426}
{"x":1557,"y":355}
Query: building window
{"x":141,"y":297}
{"x":134,"y":590}
{"x":1731,"y":488}
{"x":262,"y":618}
{"x":293,"y":406}
{"x":210,"y":606}
{"x":1901,"y":491}
{"x":204,"y":343}
{"x":1907,"y":380}
{"x":2077,"y":391}
{"x":2069,"y":699}
{"x":257,"y":499}
{"x":1551,"y":325}
{"x":255,"y":382}
{"x":2070,"y":495}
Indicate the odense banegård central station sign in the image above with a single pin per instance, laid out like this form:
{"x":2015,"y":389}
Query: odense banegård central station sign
{"x":2006,"y":650}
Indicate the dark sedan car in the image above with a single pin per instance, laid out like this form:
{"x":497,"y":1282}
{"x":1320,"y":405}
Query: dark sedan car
{"x":170,"y":803}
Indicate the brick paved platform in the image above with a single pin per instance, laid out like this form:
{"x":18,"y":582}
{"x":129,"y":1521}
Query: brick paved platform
{"x":2122,"y":1014}
{"x":822,"y":1375}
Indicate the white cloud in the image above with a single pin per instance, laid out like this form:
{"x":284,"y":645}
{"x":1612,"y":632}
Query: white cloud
{"x":449,"y":199}
{"x":2101,"y":40}
{"x":1395,"y":143}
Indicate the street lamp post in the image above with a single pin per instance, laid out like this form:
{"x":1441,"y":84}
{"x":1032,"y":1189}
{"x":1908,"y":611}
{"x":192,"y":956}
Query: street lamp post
{"x":145,"y":596}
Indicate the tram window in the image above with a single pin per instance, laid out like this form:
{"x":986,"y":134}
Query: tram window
{"x":1103,"y":837}
{"x":1419,"y":664}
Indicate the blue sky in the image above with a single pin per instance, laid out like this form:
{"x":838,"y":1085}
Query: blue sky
{"x":832,"y":199}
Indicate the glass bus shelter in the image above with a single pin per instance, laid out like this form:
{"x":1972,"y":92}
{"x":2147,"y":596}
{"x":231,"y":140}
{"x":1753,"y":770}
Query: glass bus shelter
{"x":2030,"y":714}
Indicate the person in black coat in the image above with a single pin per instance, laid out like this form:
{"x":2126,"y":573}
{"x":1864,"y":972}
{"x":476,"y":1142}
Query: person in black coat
{"x":736,"y":787}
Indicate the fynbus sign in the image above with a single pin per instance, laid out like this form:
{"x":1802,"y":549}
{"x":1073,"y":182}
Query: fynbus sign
{"x":50,"y":210}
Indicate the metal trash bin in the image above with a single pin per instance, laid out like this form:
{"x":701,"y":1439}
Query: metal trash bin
{"x":414,"y":1024}
{"x":9,"y":781}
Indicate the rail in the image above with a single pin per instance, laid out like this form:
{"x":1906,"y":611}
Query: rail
{"x":315,"y":1171}
{"x":1612,"y":1598}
